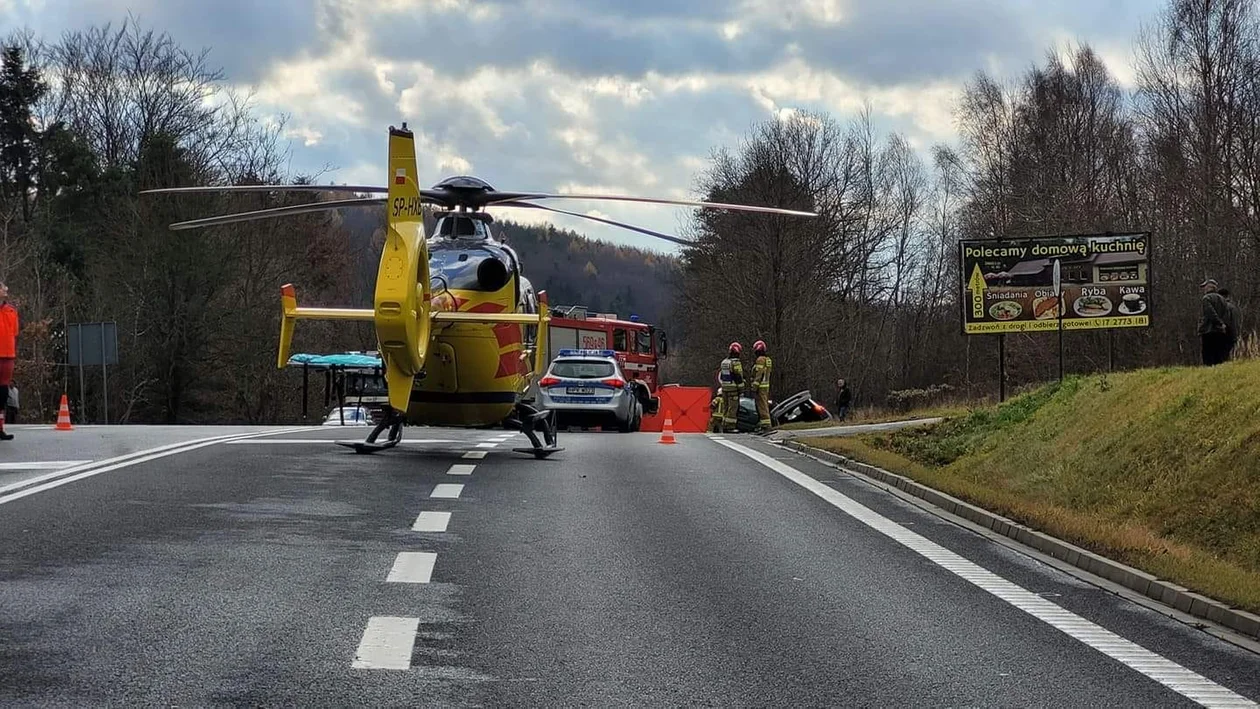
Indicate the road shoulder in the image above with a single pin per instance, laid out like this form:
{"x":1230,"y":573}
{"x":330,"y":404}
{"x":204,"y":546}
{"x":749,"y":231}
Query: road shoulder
{"x":1217,"y":618}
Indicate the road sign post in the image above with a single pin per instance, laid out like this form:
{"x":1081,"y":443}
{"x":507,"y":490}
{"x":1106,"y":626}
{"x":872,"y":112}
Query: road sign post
{"x":92,"y":345}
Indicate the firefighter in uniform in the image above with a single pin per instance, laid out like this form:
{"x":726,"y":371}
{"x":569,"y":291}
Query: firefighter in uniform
{"x":731,"y":375}
{"x":715,"y":412}
{"x":761,"y":384}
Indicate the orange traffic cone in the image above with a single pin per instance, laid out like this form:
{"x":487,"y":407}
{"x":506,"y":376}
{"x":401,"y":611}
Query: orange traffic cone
{"x":63,"y":415}
{"x":667,"y":433}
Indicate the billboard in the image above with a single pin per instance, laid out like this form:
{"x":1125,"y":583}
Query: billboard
{"x":1011,"y":285}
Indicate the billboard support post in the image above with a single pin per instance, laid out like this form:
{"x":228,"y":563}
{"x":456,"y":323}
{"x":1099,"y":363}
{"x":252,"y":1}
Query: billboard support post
{"x":1002,"y":367}
{"x":1058,"y":304}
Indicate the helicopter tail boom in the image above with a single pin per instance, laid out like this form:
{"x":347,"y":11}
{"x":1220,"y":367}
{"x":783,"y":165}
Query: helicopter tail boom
{"x":292,"y":313}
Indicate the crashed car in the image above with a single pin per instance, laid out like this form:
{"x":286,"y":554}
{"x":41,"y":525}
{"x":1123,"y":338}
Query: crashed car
{"x":800,"y":407}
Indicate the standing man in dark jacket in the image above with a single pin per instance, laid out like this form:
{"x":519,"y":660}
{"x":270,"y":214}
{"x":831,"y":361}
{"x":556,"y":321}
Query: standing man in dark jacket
{"x":1212,"y":324}
{"x":844,"y":398}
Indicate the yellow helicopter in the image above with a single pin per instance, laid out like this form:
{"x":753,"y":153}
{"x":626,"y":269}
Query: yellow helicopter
{"x":461,"y":332}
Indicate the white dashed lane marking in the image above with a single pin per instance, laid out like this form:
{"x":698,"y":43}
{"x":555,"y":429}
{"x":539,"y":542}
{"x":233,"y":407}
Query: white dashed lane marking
{"x":387,"y":643}
{"x":474,"y":455}
{"x":448,"y":491}
{"x":487,"y":445}
{"x":461,"y":469}
{"x":1171,"y":675}
{"x":412,"y":567}
{"x":431,"y":522}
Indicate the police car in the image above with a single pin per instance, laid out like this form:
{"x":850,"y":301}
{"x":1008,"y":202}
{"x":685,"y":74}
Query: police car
{"x":588,"y":388}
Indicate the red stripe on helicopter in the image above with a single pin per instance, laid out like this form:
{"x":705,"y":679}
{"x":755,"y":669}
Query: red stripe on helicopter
{"x":506,"y":334}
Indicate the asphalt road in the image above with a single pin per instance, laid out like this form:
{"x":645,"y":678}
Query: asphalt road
{"x":283,"y":570}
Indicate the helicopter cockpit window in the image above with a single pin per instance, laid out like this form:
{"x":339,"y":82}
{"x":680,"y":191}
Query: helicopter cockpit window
{"x":468,"y":269}
{"x":464,"y":227}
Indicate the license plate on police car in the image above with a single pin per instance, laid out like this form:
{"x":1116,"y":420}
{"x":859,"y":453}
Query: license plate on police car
{"x":579,"y":390}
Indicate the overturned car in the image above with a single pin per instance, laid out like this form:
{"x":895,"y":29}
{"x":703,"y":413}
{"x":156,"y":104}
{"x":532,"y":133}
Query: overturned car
{"x":798,"y":408}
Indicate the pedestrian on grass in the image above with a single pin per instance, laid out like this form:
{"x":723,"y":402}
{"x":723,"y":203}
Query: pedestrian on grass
{"x":844,"y":398}
{"x":1212,"y":324}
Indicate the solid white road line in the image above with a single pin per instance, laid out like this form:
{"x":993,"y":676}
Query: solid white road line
{"x":412,"y":567}
{"x":1174,"y":676}
{"x":447,"y":490}
{"x":461,"y":469}
{"x":474,"y":455}
{"x":408,"y":442}
{"x":387,"y":643}
{"x":43,"y":464}
{"x":431,"y":522}
{"x":62,"y":477}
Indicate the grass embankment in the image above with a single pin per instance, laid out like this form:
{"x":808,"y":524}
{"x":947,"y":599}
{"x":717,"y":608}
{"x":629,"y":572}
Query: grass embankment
{"x":1157,"y":469}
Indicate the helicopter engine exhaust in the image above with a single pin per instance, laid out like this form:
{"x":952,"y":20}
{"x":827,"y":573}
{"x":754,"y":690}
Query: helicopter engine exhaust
{"x":492,"y":274}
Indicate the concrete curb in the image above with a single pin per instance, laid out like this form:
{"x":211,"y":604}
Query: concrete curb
{"x":1170,"y":594}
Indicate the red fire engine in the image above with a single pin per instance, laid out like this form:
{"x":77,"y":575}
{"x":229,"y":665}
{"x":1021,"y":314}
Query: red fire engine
{"x":638,"y":345}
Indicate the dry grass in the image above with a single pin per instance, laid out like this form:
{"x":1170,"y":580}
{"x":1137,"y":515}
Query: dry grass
{"x":1159,"y":469}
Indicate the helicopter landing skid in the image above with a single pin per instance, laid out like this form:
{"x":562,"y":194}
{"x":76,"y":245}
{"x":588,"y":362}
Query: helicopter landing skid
{"x":393,"y":421}
{"x":526,"y":419}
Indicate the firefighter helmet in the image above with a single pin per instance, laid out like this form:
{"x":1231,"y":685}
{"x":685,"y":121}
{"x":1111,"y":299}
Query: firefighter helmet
{"x":736,"y":348}
{"x":759,"y":347}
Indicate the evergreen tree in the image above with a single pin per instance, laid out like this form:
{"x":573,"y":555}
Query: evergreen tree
{"x":20,"y":87}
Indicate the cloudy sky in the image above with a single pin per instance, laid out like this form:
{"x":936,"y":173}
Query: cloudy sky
{"x":625,"y":96}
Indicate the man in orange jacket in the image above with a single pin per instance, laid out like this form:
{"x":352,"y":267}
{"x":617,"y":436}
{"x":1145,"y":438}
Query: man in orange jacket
{"x":8,"y":349}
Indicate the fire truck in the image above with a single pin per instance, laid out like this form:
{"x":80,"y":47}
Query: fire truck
{"x":638,"y":345}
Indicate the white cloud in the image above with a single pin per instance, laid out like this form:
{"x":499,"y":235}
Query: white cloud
{"x":600,"y":96}
{"x":308,"y":136}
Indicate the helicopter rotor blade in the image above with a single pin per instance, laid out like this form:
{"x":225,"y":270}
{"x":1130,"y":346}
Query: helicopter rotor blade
{"x":610,"y":222}
{"x":441,"y":197}
{"x":267,"y":188}
{"x":279,"y":212}
{"x":494,"y":197}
